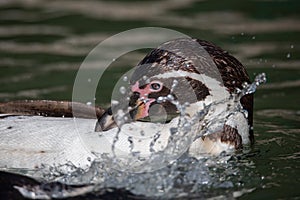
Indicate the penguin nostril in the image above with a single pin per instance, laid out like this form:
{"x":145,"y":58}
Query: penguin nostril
{"x":133,"y":98}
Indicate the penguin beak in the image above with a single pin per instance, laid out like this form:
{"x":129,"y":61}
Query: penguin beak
{"x":106,"y":121}
{"x":139,"y":106}
{"x":138,"y":112}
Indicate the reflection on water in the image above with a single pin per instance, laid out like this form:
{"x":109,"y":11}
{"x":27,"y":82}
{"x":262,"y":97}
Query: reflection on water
{"x":43,"y":43}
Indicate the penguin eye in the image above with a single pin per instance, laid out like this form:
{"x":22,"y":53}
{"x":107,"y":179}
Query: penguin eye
{"x":155,"y":86}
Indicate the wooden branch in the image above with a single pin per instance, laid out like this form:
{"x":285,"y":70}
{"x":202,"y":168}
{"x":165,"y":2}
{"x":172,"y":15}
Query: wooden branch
{"x":50,"y":108}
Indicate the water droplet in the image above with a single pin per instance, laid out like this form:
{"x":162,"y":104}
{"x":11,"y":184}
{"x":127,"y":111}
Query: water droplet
{"x":114,"y":102}
{"x":122,"y":90}
{"x":273,"y":66}
{"x":89,"y":80}
{"x":130,"y":140}
{"x":160,"y":99}
{"x":125,"y":78}
{"x":253,"y":37}
{"x":288,"y":55}
{"x":89,"y":103}
{"x":242,"y":33}
{"x":175,"y":83}
{"x":113,"y":59}
{"x":251,"y":88}
{"x":292,"y":46}
{"x":170,"y":97}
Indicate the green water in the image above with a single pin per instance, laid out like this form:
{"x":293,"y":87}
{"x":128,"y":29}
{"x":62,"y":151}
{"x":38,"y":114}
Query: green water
{"x":42,"y":44}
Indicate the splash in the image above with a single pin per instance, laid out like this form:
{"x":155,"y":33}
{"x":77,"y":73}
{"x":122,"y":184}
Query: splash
{"x":181,"y":177}
{"x":251,"y":88}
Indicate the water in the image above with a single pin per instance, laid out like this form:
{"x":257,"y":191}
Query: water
{"x":42,"y":44}
{"x":183,"y":176}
